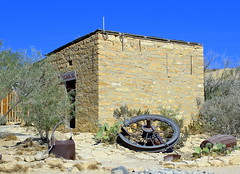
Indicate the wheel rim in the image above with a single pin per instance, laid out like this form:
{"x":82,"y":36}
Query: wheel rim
{"x":152,"y":133}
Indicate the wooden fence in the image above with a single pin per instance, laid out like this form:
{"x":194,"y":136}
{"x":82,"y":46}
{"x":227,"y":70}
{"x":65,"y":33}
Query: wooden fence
{"x":5,"y":105}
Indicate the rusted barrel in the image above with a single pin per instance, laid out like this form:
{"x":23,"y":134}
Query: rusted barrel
{"x":63,"y":148}
{"x":229,"y":140}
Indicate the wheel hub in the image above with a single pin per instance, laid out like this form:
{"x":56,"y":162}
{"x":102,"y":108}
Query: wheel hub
{"x":147,"y":129}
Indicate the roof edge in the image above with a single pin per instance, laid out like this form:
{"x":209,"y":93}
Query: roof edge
{"x":120,"y":33}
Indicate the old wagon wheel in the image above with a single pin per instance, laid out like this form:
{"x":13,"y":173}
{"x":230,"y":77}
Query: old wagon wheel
{"x":151,"y":133}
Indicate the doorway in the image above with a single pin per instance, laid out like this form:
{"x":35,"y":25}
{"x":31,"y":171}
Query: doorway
{"x":71,"y":89}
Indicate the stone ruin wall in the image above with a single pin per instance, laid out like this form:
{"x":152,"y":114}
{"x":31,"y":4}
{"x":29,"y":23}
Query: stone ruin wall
{"x":83,"y":55}
{"x":114,"y":70}
{"x":145,"y":74}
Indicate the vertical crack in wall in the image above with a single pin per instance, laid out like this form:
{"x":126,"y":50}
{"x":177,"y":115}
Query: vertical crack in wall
{"x":191,"y":65}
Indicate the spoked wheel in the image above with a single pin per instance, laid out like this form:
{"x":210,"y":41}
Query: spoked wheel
{"x":151,"y":133}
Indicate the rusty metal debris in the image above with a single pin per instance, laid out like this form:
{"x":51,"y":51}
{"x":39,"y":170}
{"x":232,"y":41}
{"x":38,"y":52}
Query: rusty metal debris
{"x":151,"y":133}
{"x":228,"y":140}
{"x":171,"y":157}
{"x":62,"y":148}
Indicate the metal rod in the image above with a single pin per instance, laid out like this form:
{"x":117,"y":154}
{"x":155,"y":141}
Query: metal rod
{"x":103,"y":23}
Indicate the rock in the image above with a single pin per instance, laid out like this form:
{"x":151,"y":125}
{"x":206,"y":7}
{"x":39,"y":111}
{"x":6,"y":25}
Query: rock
{"x":99,"y":153}
{"x":74,"y":170}
{"x":234,"y":160}
{"x":142,"y":155}
{"x":29,"y":159}
{"x":9,"y":158}
{"x":41,"y":156}
{"x":119,"y":170}
{"x":216,"y":163}
{"x":191,"y":164}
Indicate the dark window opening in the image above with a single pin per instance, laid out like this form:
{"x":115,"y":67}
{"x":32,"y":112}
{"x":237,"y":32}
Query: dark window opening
{"x":71,"y":89}
{"x":70,"y":62}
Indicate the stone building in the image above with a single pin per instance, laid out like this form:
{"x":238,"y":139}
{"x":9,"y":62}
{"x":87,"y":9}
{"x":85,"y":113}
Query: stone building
{"x":115,"y":69}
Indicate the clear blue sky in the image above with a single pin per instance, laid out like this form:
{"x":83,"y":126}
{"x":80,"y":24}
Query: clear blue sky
{"x":49,"y":24}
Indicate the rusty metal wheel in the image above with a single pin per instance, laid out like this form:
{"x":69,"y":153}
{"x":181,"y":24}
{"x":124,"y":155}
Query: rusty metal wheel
{"x":151,"y":133}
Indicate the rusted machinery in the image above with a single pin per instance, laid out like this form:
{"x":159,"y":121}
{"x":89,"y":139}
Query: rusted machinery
{"x":62,"y":148}
{"x":151,"y":133}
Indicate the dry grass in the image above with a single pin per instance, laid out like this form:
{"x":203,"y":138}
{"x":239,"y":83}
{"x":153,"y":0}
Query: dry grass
{"x":58,"y":166}
{"x":93,"y":167}
{"x":10,"y":137}
{"x":2,"y":162}
{"x":17,"y":168}
{"x":19,"y":153}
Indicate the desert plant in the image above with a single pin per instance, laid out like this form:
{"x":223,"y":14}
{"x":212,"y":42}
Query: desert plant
{"x":46,"y":108}
{"x":171,"y":113}
{"x":196,"y":126}
{"x":108,"y":134}
{"x":221,"y":112}
{"x":174,"y":115}
{"x":124,"y":112}
{"x":217,"y":149}
{"x":44,"y":101}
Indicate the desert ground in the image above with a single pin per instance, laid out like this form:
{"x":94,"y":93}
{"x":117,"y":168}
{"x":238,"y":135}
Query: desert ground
{"x":22,"y":152}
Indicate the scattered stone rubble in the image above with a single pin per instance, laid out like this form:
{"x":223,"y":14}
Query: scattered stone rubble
{"x":100,"y":158}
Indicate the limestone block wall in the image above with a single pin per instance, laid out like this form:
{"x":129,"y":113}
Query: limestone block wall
{"x":148,"y":73}
{"x":115,"y":69}
{"x":81,"y":56}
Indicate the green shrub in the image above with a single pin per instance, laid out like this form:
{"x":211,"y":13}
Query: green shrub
{"x":220,"y":111}
{"x":196,"y":125}
{"x":174,"y":115}
{"x":108,"y":134}
{"x":3,"y":120}
{"x":124,"y":113}
{"x":218,"y":149}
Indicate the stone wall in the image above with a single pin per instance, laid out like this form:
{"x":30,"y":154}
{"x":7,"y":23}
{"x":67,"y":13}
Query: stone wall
{"x":82,"y":57}
{"x":147,"y":73}
{"x":142,"y":72}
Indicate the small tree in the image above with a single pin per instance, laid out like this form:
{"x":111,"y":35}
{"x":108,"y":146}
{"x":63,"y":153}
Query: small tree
{"x":10,"y":65}
{"x":43,"y":100}
{"x":47,"y":101}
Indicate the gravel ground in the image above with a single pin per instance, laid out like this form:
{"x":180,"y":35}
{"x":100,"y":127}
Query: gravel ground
{"x":123,"y":170}
{"x":171,"y":171}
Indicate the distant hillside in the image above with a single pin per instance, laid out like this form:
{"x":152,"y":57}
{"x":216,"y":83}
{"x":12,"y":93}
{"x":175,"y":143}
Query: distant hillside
{"x":217,"y":73}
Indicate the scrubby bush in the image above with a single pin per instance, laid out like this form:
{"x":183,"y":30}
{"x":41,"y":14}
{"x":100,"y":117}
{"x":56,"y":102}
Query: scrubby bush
{"x":221,"y":109}
{"x":124,"y":112}
{"x":174,"y":115}
{"x":108,"y":134}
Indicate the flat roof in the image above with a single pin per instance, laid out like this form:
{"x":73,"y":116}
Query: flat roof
{"x":120,"y":33}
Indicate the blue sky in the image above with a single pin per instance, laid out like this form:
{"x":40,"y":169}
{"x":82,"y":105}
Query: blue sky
{"x":49,"y":24}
